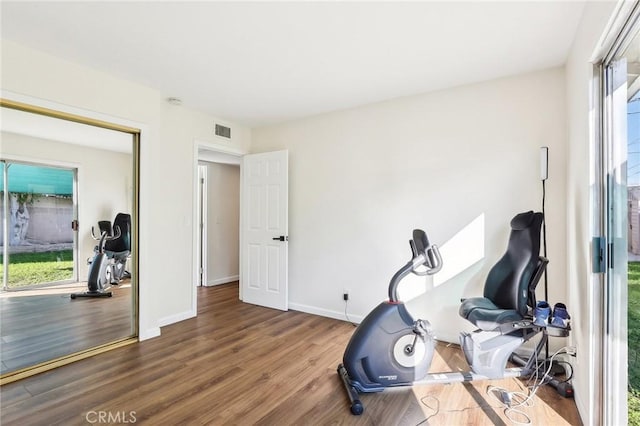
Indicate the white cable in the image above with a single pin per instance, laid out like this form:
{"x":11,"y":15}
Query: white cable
{"x":435,"y":409}
{"x":512,"y":404}
{"x":510,"y":401}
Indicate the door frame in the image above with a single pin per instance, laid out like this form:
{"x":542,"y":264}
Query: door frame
{"x":613,"y":322}
{"x":210,"y":152}
{"x":611,"y":375}
{"x":203,"y":199}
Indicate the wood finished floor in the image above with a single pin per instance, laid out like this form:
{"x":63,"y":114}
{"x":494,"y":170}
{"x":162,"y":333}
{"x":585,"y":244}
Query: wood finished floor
{"x":242,"y":364}
{"x":43,"y":324}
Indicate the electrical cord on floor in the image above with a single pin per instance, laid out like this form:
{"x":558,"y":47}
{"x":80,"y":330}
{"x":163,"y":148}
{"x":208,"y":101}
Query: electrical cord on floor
{"x":570,"y":375}
{"x":435,"y":409}
{"x":568,"y":368}
{"x":510,"y":401}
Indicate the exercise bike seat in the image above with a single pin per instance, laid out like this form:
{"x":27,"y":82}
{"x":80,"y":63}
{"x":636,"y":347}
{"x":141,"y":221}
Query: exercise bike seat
{"x":510,"y":285}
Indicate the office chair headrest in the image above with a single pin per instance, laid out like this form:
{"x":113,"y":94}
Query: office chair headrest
{"x":522,"y":221}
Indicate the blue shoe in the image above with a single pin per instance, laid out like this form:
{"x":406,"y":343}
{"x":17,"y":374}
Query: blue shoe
{"x":541,"y":314}
{"x":560,"y":317}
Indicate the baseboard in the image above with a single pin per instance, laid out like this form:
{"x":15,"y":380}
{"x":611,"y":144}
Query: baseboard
{"x":224,"y":280}
{"x":149,"y":333}
{"x":172,"y":319}
{"x":357,"y":319}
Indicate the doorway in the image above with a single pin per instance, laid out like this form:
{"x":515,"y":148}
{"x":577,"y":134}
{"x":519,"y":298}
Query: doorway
{"x":218,"y":218}
{"x":263,"y":224}
{"x":219,"y":189}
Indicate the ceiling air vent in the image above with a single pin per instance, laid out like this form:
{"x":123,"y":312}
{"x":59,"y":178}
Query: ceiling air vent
{"x":223,"y":131}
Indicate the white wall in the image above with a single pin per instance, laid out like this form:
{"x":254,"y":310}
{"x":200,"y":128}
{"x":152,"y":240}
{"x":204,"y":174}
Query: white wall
{"x":105,"y":181}
{"x":459,"y":163}
{"x":223,"y":223}
{"x":583,"y":296}
{"x":167,"y":181}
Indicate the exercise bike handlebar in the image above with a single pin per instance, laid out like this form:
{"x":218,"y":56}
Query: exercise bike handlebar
{"x":106,"y":236}
{"x":424,"y":254}
{"x":434,"y":259}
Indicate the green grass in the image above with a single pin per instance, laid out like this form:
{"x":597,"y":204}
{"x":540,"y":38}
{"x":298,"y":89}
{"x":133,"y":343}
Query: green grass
{"x":37,"y":268}
{"x":634,"y":343}
{"x":634,"y":407}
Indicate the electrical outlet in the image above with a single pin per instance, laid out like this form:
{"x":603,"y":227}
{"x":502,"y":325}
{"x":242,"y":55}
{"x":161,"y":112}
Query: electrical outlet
{"x":345,"y":294}
{"x":571,"y":350}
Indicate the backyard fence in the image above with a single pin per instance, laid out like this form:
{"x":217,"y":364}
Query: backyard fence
{"x":45,"y":220}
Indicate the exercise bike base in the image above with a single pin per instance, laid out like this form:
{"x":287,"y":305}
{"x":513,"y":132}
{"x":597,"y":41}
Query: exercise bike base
{"x":354,"y":388}
{"x":356,"y":405}
{"x":90,"y":294}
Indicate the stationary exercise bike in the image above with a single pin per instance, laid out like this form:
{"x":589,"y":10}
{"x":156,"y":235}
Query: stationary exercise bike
{"x":99,"y":282}
{"x":391,"y":349}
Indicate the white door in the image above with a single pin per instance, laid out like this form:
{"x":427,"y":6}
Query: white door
{"x":264,"y":223}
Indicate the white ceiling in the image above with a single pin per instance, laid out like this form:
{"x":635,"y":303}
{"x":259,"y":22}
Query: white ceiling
{"x":266,"y":62}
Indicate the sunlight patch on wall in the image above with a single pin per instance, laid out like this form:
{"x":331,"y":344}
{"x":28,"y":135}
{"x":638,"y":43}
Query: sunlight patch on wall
{"x":461,"y":251}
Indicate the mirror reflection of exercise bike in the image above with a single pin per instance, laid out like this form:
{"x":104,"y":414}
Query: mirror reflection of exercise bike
{"x":108,"y":265}
{"x":391,"y":349}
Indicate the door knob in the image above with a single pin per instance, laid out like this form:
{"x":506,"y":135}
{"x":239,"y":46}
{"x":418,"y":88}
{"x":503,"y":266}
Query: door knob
{"x":281,"y":238}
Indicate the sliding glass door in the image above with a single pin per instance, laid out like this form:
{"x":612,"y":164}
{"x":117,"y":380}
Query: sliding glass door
{"x":620,"y":129}
{"x":40,"y":209}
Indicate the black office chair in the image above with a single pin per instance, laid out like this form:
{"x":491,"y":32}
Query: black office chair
{"x":502,"y":315}
{"x":119,"y":249}
{"x":509,"y":290}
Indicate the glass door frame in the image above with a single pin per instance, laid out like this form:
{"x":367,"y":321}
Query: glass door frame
{"x":610,"y":221}
{"x":8,"y":160}
{"x":613,"y":321}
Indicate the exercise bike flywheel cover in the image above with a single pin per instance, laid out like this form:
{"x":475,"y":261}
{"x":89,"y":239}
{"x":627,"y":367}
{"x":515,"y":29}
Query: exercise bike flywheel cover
{"x":409,"y":360}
